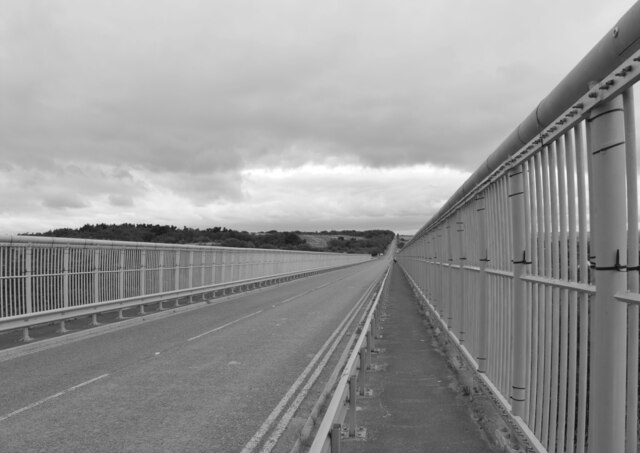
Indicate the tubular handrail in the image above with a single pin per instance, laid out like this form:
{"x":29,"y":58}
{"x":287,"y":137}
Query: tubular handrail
{"x":614,"y":49}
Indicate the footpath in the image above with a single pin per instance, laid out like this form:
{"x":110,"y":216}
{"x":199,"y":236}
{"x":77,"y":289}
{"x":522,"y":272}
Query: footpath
{"x":418,"y":405}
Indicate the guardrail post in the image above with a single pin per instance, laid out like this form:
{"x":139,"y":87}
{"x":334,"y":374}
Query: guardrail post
{"x":363,"y":370}
{"x":519,"y":356}
{"x":368,"y":350}
{"x":336,"y":434}
{"x":353,"y":391}
{"x":609,"y":321}
{"x":483,"y":309}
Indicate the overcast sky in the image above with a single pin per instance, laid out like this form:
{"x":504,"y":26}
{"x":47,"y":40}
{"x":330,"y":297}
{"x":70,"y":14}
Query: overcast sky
{"x":267,"y":114}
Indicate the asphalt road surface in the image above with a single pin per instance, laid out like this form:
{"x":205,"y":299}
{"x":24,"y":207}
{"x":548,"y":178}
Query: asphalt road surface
{"x":201,"y":380}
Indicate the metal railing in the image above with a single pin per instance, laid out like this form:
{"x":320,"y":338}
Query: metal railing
{"x":351,"y":384}
{"x":52,"y":279}
{"x":532,"y":265}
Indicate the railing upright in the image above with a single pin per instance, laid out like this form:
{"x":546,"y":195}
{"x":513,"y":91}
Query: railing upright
{"x":460,"y":283}
{"x":609,"y":316}
{"x":632,"y":276}
{"x":483,"y":308}
{"x":518,"y":363}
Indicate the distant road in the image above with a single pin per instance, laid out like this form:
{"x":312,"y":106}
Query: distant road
{"x":202,"y":380}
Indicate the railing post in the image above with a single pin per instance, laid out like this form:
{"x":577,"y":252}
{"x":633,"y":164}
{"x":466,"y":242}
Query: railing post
{"x":28,"y":291}
{"x":121,"y":275}
{"x":176,"y":272}
{"x":65,"y":277}
{"x":633,"y":283}
{"x":143,"y":272}
{"x":518,"y":359}
{"x":460,"y":283}
{"x":191,"y":273}
{"x":223,"y":267}
{"x":65,"y":287}
{"x":609,"y":320}
{"x":96,"y":272}
{"x":450,"y":300}
{"x":483,"y":309}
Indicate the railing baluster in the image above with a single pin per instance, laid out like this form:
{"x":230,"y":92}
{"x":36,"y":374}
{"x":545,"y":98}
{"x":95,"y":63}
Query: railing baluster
{"x":609,"y":316}
{"x":518,"y":360}
{"x":573,"y":295}
{"x":632,"y":277}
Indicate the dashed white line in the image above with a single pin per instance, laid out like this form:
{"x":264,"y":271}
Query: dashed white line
{"x":225,"y":325}
{"x":49,"y":398}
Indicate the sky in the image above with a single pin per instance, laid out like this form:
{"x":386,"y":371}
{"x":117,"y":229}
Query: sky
{"x":268,"y":114}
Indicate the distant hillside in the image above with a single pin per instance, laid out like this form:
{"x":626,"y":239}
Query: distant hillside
{"x":372,"y":242}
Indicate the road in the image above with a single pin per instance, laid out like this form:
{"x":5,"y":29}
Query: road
{"x":199,"y":380}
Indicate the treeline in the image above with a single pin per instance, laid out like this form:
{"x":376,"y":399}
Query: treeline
{"x":373,"y":241}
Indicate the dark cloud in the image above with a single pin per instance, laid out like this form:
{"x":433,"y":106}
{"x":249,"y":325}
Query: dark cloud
{"x":120,"y":200}
{"x":131,"y":104}
{"x":63,"y":201}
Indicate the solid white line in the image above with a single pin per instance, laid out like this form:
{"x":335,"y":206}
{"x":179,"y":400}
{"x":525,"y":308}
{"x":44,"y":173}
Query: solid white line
{"x":49,"y":398}
{"x":225,"y":325}
{"x":275,"y":413}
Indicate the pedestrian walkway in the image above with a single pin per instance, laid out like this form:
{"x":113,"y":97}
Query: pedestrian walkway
{"x":416,"y":405}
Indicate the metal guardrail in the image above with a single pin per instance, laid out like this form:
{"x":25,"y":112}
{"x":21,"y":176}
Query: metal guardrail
{"x":343,"y":401}
{"x":46,"y":280}
{"x":532,"y":265}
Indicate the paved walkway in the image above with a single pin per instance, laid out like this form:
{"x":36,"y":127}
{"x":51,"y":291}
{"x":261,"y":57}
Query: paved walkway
{"x":416,"y":406}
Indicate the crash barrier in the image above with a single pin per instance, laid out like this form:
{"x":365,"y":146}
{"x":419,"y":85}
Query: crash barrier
{"x":532,"y":265}
{"x":351,"y":384}
{"x":45,"y":280}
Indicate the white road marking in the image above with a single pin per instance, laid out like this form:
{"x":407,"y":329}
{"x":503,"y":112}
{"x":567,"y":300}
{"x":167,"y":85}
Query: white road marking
{"x":335,"y":337}
{"x":49,"y":398}
{"x":225,"y":325}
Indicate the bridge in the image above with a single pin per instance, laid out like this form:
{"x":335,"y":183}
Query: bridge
{"x":531,"y":268}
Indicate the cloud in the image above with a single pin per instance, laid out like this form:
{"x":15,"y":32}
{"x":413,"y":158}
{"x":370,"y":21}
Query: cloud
{"x":119,"y":200}
{"x":165,"y":110}
{"x":63,"y":201}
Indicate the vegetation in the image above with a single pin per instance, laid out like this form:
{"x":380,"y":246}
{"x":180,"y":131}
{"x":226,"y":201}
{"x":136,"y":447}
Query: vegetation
{"x":373,"y":242}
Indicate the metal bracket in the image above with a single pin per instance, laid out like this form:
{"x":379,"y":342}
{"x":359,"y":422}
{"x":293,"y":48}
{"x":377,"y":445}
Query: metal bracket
{"x":616,"y":267}
{"x":524,"y":259}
